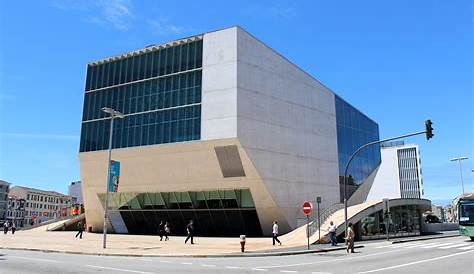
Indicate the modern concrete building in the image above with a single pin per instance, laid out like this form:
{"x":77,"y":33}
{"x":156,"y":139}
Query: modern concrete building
{"x":42,"y":205}
{"x":399,"y":175}
{"x":4,"y":189}
{"x":218,"y":128}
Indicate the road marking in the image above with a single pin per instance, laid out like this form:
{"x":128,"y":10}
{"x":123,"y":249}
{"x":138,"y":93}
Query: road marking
{"x":233,"y":267}
{"x":436,"y":245}
{"x":34,"y":259}
{"x":321,"y":273}
{"x":208,"y":265}
{"x":119,"y":269}
{"x":187,"y":263}
{"x":417,"y":262}
{"x":288,"y":271}
{"x":467,"y":247}
{"x":453,"y":246}
{"x":147,"y":260}
{"x":165,"y":262}
{"x":329,"y":261}
{"x":259,"y":269}
{"x":402,"y":245}
{"x":418,"y":245}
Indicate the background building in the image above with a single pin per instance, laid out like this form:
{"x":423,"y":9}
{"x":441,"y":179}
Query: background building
{"x":218,"y":128}
{"x":75,"y":192}
{"x":42,"y":205}
{"x":399,"y":175}
{"x":4,"y":189}
{"x":16,"y":211}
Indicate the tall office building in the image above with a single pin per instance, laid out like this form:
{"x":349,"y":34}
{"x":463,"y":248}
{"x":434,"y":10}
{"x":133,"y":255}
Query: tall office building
{"x":218,"y":128}
{"x":399,"y":175}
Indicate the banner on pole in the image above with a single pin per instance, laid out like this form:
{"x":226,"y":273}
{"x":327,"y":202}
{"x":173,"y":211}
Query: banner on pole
{"x":114,"y":176}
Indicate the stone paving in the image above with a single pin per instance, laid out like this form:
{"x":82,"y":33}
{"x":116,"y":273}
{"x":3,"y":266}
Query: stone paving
{"x":138,"y":245}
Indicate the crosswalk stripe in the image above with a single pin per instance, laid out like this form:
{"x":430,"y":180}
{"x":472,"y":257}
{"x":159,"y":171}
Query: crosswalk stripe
{"x":418,"y":245}
{"x":453,"y":246}
{"x":437,"y":245}
{"x":400,"y":245}
{"x":467,"y":247}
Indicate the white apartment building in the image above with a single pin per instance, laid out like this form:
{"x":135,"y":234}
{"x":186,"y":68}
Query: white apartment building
{"x":399,"y":175}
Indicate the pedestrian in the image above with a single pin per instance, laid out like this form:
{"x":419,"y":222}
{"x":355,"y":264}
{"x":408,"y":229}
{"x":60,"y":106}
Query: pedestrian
{"x":161,"y":230}
{"x":5,"y":227}
{"x":332,"y":233}
{"x":167,"y":231}
{"x":350,"y":238}
{"x":13,"y":228}
{"x":80,"y":229}
{"x":190,"y":231}
{"x":275,"y":233}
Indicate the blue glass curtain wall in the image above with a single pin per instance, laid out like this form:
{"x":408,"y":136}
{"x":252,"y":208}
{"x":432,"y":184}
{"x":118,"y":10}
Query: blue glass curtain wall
{"x":158,"y":91}
{"x":353,"y":130}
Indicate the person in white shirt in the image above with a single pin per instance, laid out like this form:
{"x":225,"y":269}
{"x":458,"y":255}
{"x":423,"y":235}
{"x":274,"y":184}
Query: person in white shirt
{"x":275,"y":233}
{"x":332,"y":233}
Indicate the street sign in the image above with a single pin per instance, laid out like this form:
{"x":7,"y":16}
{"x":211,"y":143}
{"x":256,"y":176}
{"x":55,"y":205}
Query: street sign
{"x":307,"y":207}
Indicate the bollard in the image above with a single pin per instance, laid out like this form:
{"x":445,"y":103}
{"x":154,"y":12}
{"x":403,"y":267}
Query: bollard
{"x":242,"y":243}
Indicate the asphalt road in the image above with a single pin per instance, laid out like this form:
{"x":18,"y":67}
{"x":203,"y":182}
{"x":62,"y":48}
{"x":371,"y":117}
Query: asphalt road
{"x":447,"y":255}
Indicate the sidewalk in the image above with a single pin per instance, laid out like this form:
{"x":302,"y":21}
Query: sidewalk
{"x":144,"y":245}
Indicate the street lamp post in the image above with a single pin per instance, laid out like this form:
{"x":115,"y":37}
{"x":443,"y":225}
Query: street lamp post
{"x":459,"y":159}
{"x":113,"y":114}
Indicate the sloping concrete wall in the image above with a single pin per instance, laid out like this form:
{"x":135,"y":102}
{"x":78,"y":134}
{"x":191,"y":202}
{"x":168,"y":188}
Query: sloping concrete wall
{"x":286,"y":123}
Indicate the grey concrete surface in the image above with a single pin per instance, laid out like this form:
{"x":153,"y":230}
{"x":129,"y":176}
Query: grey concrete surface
{"x":445,"y":255}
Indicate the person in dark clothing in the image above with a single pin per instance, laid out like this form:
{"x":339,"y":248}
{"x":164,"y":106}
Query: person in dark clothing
{"x":80,"y":229}
{"x":161,"y":230}
{"x":190,"y":231}
{"x":5,"y":227}
{"x":13,"y":228}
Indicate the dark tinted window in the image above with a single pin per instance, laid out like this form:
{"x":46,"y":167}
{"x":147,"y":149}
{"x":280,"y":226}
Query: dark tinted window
{"x":146,"y":103}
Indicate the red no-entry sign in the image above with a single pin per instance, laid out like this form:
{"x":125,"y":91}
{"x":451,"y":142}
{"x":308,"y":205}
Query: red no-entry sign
{"x":307,"y":207}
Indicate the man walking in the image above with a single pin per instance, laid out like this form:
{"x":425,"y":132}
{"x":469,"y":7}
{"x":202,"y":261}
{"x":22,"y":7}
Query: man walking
{"x":275,"y":233}
{"x":80,"y":229}
{"x":161,"y":230}
{"x":190,"y":231}
{"x":13,"y":228}
{"x":332,"y":233}
{"x":5,"y":227}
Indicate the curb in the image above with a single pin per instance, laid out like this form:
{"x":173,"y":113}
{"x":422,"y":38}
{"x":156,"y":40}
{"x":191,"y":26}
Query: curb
{"x":232,"y":255}
{"x":425,"y":238}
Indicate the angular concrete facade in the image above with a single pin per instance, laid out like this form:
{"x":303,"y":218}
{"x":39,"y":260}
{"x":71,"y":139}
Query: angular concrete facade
{"x":282,"y":121}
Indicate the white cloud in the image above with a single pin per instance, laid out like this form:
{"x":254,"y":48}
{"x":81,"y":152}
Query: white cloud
{"x":163,"y":27}
{"x":108,"y":13}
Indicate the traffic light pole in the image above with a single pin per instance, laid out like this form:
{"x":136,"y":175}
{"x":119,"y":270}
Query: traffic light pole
{"x":355,"y":154}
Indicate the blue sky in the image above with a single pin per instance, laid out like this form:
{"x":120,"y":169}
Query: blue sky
{"x":400,"y":62}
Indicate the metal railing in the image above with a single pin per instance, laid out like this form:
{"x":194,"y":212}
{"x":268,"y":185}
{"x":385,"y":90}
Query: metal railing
{"x":325,"y":214}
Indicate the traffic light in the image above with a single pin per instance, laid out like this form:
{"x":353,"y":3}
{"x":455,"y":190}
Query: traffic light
{"x":428,"y":129}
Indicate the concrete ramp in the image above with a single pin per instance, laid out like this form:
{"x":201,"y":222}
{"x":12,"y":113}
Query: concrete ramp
{"x":68,"y":224}
{"x":354,"y":214}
